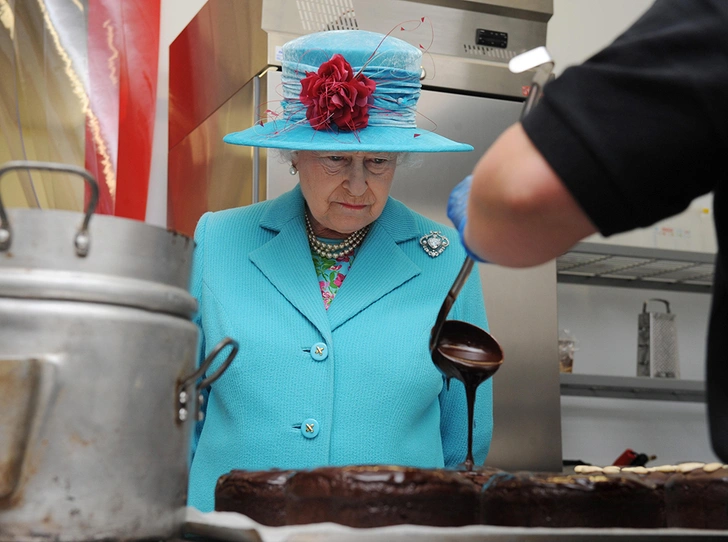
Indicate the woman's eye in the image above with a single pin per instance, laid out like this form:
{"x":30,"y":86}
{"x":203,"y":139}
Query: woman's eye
{"x":378,"y":164}
{"x":336,"y":158}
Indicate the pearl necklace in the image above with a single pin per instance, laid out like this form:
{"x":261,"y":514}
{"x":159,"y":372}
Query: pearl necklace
{"x":333,"y":251}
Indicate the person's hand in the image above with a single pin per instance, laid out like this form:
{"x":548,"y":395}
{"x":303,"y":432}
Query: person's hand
{"x":457,"y":211}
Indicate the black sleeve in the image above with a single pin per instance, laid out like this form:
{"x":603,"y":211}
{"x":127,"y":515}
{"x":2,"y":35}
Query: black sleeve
{"x":640,"y":129}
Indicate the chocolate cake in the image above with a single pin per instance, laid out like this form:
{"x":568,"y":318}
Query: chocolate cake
{"x":654,"y":477}
{"x":688,"y":495}
{"x":260,"y":495}
{"x":378,"y":495}
{"x":697,"y":497}
{"x":479,"y":475}
{"x":527,"y":499}
{"x":695,"y":494}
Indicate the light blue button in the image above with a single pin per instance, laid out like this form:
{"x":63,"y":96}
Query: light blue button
{"x":310,"y":428}
{"x":319,"y":351}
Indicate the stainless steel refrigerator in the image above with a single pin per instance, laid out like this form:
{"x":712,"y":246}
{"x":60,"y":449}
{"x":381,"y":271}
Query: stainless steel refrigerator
{"x":224,"y":69}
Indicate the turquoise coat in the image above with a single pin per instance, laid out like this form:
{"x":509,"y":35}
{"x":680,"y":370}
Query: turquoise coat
{"x":310,"y":387}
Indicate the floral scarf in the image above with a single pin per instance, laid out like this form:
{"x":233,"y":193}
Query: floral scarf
{"x":331,"y":274}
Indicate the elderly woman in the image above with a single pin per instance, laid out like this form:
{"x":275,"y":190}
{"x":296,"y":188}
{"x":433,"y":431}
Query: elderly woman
{"x":332,"y":289}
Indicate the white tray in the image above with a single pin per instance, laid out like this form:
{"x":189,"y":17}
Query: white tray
{"x":232,"y":527}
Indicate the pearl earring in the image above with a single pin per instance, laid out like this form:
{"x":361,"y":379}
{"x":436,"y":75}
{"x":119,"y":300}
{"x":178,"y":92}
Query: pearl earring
{"x":292,"y":170}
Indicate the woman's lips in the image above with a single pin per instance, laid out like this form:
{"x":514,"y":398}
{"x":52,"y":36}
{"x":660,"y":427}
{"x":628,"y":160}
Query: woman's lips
{"x":351,"y":206}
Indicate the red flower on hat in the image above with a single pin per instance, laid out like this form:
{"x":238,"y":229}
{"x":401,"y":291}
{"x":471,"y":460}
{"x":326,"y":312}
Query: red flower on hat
{"x":335,"y":95}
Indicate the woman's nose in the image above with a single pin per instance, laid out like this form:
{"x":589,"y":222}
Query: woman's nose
{"x":356,"y":181}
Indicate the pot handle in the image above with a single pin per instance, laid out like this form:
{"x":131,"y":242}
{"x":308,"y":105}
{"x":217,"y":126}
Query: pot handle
{"x":23,"y":395}
{"x":182,"y":396}
{"x":81,"y":241}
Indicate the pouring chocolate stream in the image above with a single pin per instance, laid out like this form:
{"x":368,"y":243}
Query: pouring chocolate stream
{"x":462,"y":350}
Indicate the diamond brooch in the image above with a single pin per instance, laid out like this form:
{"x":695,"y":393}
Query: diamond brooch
{"x":434,"y":243}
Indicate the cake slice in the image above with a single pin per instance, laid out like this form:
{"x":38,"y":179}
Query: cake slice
{"x":696,"y":497}
{"x":260,"y":495}
{"x":379,"y":495}
{"x":529,"y":499}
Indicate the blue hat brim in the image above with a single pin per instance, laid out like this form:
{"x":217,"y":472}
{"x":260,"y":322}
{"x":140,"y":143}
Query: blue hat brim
{"x":301,"y":137}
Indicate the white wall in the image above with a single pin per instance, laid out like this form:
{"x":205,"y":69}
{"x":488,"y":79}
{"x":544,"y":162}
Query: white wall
{"x":604,"y":320}
{"x":580,"y":28}
{"x":175,"y":15}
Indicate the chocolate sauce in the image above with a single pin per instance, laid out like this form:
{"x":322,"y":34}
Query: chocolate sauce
{"x":469,"y":354}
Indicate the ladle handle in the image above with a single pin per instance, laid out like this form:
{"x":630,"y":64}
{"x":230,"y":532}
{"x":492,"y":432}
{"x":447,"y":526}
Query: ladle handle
{"x":540,"y":78}
{"x":460,"y":280}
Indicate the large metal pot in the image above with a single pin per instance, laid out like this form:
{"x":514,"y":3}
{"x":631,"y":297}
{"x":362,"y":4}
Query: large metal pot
{"x":98,"y":388}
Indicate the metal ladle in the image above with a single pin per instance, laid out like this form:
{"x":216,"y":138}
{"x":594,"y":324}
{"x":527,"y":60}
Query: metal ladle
{"x":462,"y":350}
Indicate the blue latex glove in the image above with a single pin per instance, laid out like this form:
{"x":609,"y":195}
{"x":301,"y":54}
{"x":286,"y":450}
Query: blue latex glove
{"x":457,"y":211}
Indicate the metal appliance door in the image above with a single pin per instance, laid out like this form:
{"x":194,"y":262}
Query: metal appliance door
{"x":520,"y":304}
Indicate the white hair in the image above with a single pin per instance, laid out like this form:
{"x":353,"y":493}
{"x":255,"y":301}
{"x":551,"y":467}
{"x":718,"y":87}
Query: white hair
{"x":285,"y":156}
{"x":409,"y":159}
{"x":404,"y":159}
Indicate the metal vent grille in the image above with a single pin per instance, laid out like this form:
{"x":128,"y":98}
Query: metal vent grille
{"x":694,"y":274}
{"x":633,"y":268}
{"x":613,"y":265}
{"x":493,"y":53}
{"x":320,"y":15}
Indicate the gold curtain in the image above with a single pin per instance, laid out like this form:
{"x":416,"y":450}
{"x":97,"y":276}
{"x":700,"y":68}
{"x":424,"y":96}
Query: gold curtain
{"x":43,"y":98}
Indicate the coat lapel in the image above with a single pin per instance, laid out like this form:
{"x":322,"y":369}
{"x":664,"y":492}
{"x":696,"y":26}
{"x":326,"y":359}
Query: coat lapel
{"x":286,"y":262}
{"x":380,"y":265}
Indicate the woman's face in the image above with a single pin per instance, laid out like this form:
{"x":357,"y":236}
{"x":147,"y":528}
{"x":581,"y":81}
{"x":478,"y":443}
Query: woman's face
{"x":344,"y":191}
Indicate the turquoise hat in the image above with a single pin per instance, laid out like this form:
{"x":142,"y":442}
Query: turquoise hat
{"x":347,"y":90}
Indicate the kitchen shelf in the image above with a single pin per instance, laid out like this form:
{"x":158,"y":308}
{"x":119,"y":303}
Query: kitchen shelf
{"x":625,"y":387}
{"x":603,"y":264}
